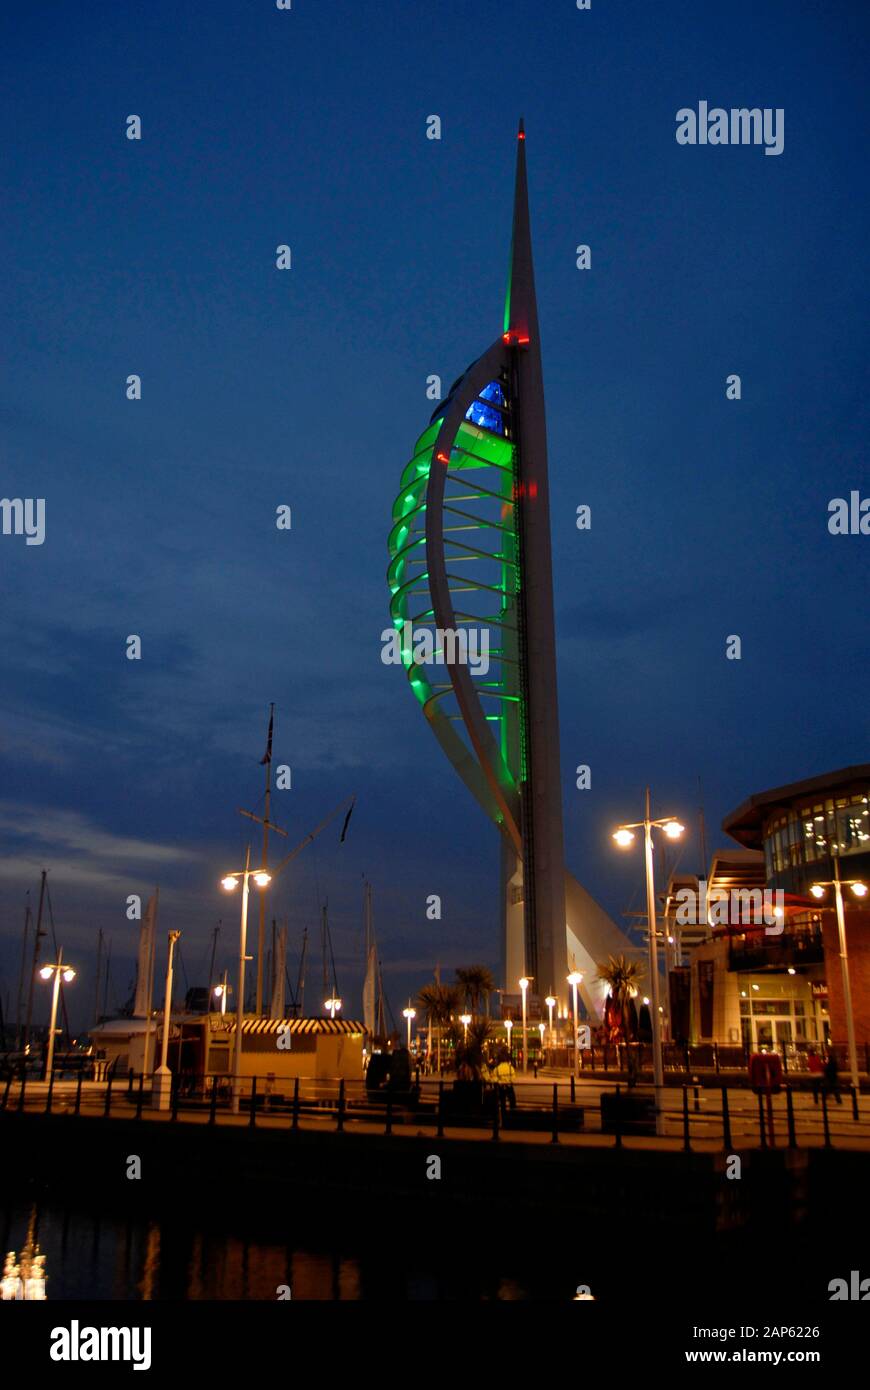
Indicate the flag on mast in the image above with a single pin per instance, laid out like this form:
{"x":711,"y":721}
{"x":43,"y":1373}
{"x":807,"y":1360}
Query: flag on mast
{"x":268,"y":755}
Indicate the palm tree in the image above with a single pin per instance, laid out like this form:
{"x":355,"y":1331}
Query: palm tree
{"x":476,"y":981}
{"x":470,"y":1047}
{"x":622,"y":978}
{"x":439,"y":1002}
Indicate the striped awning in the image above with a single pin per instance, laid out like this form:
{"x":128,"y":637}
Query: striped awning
{"x":269,"y":1026}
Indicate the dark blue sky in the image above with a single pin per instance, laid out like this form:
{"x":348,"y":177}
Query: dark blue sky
{"x":308,"y":388}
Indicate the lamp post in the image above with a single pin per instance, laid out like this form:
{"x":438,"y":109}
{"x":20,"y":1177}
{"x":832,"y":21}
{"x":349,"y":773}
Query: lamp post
{"x":221,"y":992}
{"x":334,"y":1005}
{"x":163,"y":1076}
{"x":541,"y":1027}
{"x":509,"y":1023}
{"x":624,"y":836}
{"x":57,"y":970}
{"x":408,"y":1014}
{"x":575,"y":979}
{"x":524,"y":986}
{"x":859,"y":890}
{"x":465,"y":1019}
{"x":551,"y":1004}
{"x":262,"y":878}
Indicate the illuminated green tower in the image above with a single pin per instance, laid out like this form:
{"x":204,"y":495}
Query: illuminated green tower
{"x":470,"y":550}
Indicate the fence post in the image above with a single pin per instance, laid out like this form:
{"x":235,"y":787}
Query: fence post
{"x":726,"y":1121}
{"x":78,"y":1104}
{"x":212,"y":1112}
{"x":130,"y":1074}
{"x":295,"y":1124}
{"x":687,"y":1146}
{"x":252,"y":1118}
{"x":23,"y":1085}
{"x":618,"y":1112}
{"x":139,"y":1097}
{"x":716,"y":1057}
{"x":825,"y":1118}
{"x":340,"y":1116}
{"x":50,"y":1092}
{"x":789,"y":1107}
{"x":854,"y":1091}
{"x":555,"y":1138}
{"x":762,"y":1131}
{"x":440,"y":1109}
{"x":573,"y":1089}
{"x":110,"y":1076}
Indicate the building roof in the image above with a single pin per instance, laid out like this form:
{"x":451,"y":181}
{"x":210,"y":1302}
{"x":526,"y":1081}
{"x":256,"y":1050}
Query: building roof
{"x":745,"y":825}
{"x":269,"y":1026}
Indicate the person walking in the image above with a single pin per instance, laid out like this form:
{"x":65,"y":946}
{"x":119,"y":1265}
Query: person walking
{"x":504,"y":1080}
{"x":816,"y":1070}
{"x":832,"y":1077}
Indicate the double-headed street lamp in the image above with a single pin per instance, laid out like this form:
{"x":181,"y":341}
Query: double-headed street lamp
{"x":859,"y":890}
{"x":624,"y":836}
{"x":333,"y":1004}
{"x":262,"y":879}
{"x":58,"y":970}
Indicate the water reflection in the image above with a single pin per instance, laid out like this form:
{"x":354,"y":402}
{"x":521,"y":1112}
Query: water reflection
{"x":24,"y":1278}
{"x":90,"y":1254}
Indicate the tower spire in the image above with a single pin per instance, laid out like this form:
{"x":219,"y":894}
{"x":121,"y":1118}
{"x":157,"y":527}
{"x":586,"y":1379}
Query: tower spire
{"x":521,"y":307}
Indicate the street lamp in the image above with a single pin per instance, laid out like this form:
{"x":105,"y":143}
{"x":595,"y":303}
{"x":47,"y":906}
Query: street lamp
{"x":57,"y":970}
{"x":334,"y":1005}
{"x":409,"y":1013}
{"x":230,"y":882}
{"x":221,"y":992}
{"x":163,"y":1076}
{"x":509,"y":1023}
{"x":551,"y":1004}
{"x":624,"y":836}
{"x":541,"y":1027}
{"x":524,"y":986}
{"x":859,"y":890}
{"x":575,"y":979}
{"x":465,"y":1019}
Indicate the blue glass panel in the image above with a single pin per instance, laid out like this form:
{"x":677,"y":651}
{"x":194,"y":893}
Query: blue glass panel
{"x":493,"y":392}
{"x":486,"y":417}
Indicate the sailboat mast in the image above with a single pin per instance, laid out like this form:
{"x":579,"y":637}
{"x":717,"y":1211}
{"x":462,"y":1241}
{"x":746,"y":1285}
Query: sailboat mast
{"x":39,"y":935}
{"x":19,"y":1004}
{"x":99,"y":972}
{"x":261,"y":934}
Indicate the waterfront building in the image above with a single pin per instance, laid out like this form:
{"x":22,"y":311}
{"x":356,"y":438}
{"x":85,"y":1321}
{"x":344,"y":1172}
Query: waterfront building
{"x":780,"y":985}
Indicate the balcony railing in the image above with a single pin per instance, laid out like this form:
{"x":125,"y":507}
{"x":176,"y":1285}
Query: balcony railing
{"x":791,"y":948}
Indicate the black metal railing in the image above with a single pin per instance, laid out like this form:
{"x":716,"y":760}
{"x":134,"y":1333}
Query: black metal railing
{"x":693,"y":1115}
